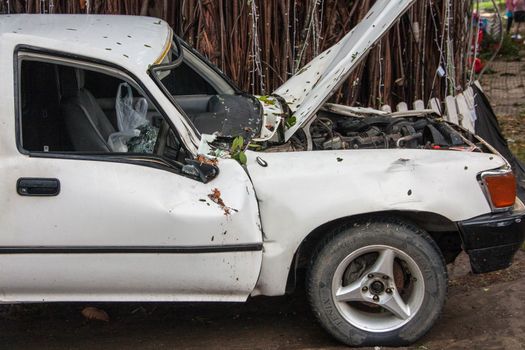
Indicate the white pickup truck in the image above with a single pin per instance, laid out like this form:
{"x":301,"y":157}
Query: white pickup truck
{"x":124,"y":179}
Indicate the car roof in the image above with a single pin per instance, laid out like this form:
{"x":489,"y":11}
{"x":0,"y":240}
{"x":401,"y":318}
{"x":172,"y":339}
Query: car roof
{"x":137,"y":41}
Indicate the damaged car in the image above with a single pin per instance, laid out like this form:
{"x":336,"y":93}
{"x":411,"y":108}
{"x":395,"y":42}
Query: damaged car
{"x":134,"y":170}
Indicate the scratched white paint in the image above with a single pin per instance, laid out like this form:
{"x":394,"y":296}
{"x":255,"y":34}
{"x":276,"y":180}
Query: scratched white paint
{"x":127,"y":277}
{"x":300,"y":191}
{"x":106,"y":204}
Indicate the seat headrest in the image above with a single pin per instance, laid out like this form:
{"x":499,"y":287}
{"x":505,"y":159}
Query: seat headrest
{"x":71,"y":81}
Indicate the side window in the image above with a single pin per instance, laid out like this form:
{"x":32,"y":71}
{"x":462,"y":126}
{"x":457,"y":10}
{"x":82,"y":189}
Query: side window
{"x":183,"y":81}
{"x":77,"y":110}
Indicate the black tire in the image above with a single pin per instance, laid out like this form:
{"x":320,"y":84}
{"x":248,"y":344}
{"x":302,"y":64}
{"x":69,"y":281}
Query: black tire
{"x":404,"y":236}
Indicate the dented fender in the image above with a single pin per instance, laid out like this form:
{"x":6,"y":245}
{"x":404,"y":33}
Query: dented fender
{"x":298,"y":192}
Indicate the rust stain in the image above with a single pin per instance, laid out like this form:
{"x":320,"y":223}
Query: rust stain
{"x":204,"y":160}
{"x":215,"y":196}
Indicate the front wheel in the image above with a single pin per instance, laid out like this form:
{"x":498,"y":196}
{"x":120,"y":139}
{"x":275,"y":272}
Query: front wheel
{"x":381,"y":282}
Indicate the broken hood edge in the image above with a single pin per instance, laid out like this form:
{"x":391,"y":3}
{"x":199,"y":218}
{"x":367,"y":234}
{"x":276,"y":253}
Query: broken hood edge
{"x":307,"y":91}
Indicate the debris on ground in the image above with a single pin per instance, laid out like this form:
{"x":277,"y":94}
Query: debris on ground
{"x":95,"y":314}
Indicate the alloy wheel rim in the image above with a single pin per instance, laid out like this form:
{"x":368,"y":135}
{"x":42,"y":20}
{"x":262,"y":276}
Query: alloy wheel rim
{"x":379,"y":296}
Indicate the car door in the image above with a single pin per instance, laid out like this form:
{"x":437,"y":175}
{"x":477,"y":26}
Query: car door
{"x":79,"y":226}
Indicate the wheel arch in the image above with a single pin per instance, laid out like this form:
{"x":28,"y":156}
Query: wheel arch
{"x":442,"y":230}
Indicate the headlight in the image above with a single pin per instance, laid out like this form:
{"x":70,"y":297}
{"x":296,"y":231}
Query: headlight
{"x":499,"y":187}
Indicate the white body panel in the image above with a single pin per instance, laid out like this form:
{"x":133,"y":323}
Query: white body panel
{"x":301,"y":191}
{"x":105,"y":205}
{"x":127,"y":277}
{"x":136,"y":41}
{"x":115,"y":204}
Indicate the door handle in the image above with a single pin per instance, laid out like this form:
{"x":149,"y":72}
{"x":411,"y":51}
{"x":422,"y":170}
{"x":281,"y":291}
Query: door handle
{"x":38,"y":187}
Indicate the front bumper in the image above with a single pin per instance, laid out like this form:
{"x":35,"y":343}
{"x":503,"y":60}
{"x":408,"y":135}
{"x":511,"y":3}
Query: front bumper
{"x":492,"y":240}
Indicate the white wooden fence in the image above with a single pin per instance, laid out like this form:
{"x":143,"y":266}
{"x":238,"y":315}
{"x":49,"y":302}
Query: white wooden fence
{"x":459,"y":109}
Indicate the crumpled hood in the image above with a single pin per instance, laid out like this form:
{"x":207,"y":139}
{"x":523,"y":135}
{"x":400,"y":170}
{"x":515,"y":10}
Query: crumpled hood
{"x":313,"y":85}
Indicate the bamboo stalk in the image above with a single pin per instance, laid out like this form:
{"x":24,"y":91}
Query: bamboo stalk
{"x":290,"y":32}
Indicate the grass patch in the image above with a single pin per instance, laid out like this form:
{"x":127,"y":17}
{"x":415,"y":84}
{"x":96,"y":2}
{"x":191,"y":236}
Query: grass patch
{"x":488,"y":6}
{"x":509,"y":51}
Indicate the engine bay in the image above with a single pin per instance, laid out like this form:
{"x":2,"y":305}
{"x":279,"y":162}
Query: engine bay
{"x":384,"y":132}
{"x":413,"y":130}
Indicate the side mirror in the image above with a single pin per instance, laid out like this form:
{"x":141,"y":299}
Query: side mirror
{"x":200,"y":171}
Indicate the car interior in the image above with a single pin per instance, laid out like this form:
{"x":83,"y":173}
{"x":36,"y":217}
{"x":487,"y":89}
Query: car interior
{"x":208,"y":98}
{"x":69,"y":109}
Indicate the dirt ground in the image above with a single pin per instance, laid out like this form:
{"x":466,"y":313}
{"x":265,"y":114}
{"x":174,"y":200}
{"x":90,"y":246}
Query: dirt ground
{"x":505,"y":86}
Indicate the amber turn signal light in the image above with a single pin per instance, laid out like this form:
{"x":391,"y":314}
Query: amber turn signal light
{"x":502,"y":189}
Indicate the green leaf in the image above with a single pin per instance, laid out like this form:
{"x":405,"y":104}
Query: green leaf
{"x":242,"y":158}
{"x":290,"y":122}
{"x":267,"y":100}
{"x":237,"y":144}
